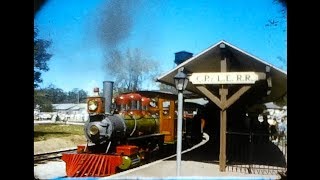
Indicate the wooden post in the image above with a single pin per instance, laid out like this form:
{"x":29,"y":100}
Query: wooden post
{"x":222,"y":156}
{"x":223,"y":91}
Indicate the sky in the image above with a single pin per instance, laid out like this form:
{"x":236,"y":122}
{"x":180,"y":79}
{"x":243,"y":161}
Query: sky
{"x":82,"y":32}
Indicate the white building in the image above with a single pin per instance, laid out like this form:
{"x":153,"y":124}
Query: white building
{"x":70,"y":112}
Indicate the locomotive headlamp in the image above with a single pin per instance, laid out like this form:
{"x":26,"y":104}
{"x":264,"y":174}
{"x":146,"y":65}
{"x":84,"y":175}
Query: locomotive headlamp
{"x":92,"y":105}
{"x":93,"y":130}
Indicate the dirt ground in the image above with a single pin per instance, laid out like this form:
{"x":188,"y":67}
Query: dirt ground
{"x":55,"y":144}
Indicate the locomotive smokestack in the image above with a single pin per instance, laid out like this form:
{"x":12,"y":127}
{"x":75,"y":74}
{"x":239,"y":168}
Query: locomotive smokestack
{"x":107,"y":94}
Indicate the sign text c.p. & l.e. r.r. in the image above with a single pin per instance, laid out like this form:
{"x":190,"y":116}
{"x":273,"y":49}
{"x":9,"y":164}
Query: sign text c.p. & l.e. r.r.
{"x":226,"y":78}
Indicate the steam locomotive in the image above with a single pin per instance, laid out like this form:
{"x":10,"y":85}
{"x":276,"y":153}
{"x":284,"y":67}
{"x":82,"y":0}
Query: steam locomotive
{"x":136,"y":128}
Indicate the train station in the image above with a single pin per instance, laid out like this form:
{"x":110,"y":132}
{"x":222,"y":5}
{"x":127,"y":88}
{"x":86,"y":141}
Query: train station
{"x":236,"y":138}
{"x":237,"y":84}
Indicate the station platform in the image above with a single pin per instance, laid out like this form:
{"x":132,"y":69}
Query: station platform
{"x":190,"y":169}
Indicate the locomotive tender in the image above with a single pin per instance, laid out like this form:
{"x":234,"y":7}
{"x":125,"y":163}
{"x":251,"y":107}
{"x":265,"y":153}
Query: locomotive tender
{"x":141,"y":125}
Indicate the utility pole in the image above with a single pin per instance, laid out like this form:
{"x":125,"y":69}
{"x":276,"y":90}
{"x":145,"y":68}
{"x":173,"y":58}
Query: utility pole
{"x":78,"y":97}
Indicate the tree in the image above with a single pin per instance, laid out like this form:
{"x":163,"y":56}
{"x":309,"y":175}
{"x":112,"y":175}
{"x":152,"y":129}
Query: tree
{"x":279,"y":22}
{"x":76,"y":96}
{"x":276,"y":21}
{"x":82,"y":96}
{"x":283,"y":3}
{"x":45,"y":97}
{"x":42,"y":100}
{"x":55,"y":95}
{"x":130,"y":69}
{"x":37,"y":5}
{"x":41,"y":57}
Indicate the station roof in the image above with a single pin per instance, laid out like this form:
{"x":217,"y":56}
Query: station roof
{"x":241,"y":61}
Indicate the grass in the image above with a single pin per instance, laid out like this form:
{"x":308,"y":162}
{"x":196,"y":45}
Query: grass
{"x":47,"y":131}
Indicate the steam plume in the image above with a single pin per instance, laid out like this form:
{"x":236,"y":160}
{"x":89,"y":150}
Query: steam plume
{"x":116,"y":21}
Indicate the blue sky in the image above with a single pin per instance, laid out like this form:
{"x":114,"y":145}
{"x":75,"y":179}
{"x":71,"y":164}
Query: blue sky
{"x":159,"y":29}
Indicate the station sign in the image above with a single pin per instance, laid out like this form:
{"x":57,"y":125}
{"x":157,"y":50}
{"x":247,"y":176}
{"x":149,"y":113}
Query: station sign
{"x":226,"y":78}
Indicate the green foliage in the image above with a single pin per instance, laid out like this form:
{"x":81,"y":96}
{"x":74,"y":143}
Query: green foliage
{"x":46,"y":107}
{"x":41,"y":100}
{"x":40,"y":58}
{"x":76,"y":95}
{"x":55,"y":95}
{"x":52,"y":95}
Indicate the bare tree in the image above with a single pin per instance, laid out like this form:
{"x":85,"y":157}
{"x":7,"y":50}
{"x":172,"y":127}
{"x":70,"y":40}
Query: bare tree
{"x":279,"y":22}
{"x":283,"y":3}
{"x":276,"y":21}
{"x":130,"y":69}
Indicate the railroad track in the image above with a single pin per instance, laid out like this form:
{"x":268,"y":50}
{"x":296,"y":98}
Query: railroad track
{"x":51,"y":155}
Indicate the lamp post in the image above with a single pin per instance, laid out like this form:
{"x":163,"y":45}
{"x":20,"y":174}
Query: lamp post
{"x":181,"y":81}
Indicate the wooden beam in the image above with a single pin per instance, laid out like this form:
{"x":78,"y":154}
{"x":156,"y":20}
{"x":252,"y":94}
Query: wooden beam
{"x":236,"y":96}
{"x":261,"y":75}
{"x":223,"y":65}
{"x":223,"y":91}
{"x":223,"y":140}
{"x":211,"y":96}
